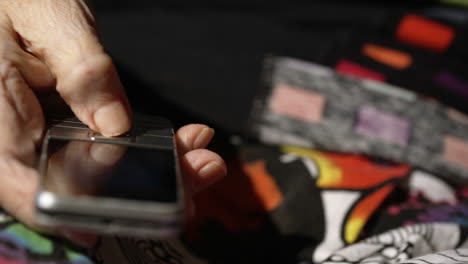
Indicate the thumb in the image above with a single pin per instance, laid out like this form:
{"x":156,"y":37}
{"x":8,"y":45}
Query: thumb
{"x":63,"y":37}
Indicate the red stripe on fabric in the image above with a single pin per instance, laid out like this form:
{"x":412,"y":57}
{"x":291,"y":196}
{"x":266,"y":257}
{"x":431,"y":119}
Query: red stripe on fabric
{"x":350,"y":68}
{"x":425,"y":33}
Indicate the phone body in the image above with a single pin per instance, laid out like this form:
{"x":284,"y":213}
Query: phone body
{"x":128,"y":185}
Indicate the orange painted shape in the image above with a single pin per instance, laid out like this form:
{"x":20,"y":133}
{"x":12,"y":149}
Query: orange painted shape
{"x":263,"y":185}
{"x":425,"y":33}
{"x":348,"y":171}
{"x":239,"y":201}
{"x":362,"y":212}
{"x":361,"y":173}
{"x":391,"y":57}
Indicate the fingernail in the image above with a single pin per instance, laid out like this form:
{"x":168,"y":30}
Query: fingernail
{"x":112,"y":119}
{"x":203,"y":138}
{"x":210,"y":169}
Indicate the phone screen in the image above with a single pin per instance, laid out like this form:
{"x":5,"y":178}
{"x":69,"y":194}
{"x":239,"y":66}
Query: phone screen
{"x":83,"y":168}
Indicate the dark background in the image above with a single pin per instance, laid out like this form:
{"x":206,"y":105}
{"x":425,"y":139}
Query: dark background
{"x":203,"y":62}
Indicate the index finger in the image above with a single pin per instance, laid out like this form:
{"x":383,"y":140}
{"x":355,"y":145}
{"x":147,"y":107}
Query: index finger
{"x":64,"y":38}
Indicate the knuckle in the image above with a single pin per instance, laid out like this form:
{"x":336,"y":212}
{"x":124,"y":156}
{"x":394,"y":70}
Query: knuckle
{"x":84,"y":75}
{"x":9,"y":71}
{"x":92,"y":83}
{"x":6,"y":65}
{"x":96,"y":67}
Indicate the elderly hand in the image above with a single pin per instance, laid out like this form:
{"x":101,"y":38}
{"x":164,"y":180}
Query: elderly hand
{"x":52,"y":43}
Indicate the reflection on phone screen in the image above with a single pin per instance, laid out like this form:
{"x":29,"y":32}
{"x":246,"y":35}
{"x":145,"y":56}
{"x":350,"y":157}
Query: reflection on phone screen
{"x":83,"y":168}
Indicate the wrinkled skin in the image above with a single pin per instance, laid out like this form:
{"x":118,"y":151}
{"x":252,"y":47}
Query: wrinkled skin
{"x":52,"y":44}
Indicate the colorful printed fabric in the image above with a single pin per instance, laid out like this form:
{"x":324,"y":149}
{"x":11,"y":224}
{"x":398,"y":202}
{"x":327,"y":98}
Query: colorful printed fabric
{"x":297,"y":205}
{"x":402,"y":244}
{"x":422,"y":50}
{"x":20,"y":245}
{"x":291,"y":192}
{"x":333,"y":112}
{"x":290,"y":205}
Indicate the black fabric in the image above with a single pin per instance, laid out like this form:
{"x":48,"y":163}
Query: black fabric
{"x":207,"y":61}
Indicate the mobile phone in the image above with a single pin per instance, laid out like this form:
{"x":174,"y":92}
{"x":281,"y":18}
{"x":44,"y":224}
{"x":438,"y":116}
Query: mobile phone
{"x":130,"y":184}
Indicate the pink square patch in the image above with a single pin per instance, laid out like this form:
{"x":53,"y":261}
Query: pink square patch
{"x":297,"y":103}
{"x":456,"y":151}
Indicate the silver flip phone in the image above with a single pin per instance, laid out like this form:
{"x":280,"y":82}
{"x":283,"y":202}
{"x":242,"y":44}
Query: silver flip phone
{"x":128,"y":185}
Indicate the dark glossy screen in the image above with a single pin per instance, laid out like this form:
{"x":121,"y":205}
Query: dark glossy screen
{"x":77,"y":168}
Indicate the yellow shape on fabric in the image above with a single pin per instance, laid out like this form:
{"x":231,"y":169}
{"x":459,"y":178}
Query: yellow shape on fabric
{"x":456,"y":2}
{"x":352,"y":229}
{"x":329,"y":173}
